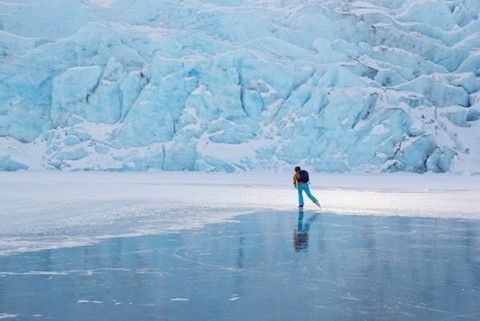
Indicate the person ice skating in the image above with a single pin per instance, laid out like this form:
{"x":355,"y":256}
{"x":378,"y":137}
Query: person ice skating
{"x":301,"y":181}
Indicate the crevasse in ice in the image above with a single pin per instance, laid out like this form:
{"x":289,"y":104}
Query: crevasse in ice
{"x":377,"y":85}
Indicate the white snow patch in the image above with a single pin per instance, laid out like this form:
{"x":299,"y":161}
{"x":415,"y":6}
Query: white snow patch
{"x":102,"y":3}
{"x":234,"y":153}
{"x":89,"y":301}
{"x":234,"y":297}
{"x":29,"y":154}
{"x":379,"y":129}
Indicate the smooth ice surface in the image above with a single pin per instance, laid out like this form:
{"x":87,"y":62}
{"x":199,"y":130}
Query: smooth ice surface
{"x":268,"y":266}
{"x":41,"y":210}
{"x":204,"y":85}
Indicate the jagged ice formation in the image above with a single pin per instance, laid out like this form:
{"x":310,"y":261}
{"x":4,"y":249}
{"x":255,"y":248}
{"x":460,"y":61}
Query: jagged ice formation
{"x":333,"y":85}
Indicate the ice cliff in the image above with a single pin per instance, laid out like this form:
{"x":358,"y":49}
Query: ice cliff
{"x":211,"y":85}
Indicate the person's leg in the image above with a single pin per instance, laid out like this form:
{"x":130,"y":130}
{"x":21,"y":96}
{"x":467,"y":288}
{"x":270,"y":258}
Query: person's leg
{"x":310,"y":196}
{"x":300,"y":194}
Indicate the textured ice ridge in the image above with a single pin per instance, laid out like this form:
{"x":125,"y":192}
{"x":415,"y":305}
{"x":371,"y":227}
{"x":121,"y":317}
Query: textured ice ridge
{"x":379,"y":85}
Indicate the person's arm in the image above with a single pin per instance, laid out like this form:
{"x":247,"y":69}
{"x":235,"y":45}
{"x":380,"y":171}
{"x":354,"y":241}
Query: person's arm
{"x":295,"y":180}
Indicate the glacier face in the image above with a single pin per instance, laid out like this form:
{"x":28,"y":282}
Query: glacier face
{"x":377,"y":85}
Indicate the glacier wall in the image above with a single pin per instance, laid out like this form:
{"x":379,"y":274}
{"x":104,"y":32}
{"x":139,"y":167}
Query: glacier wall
{"x":332,"y":85}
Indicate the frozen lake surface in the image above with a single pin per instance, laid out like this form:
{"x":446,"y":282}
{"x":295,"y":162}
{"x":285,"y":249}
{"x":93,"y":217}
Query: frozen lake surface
{"x":46,"y":210}
{"x":264,"y":266}
{"x":192,"y":246}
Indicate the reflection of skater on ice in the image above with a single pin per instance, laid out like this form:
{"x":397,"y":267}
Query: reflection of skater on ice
{"x":301,"y":181}
{"x":300,"y":234}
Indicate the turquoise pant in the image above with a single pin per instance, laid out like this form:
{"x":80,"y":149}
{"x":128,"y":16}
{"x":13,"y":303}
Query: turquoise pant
{"x":301,"y":187}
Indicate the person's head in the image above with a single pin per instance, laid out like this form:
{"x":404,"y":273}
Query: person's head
{"x":297,"y":169}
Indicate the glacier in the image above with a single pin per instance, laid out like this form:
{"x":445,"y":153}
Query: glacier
{"x":239,"y":85}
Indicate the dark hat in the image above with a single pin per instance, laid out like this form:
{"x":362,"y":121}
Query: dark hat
{"x":297,"y":169}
